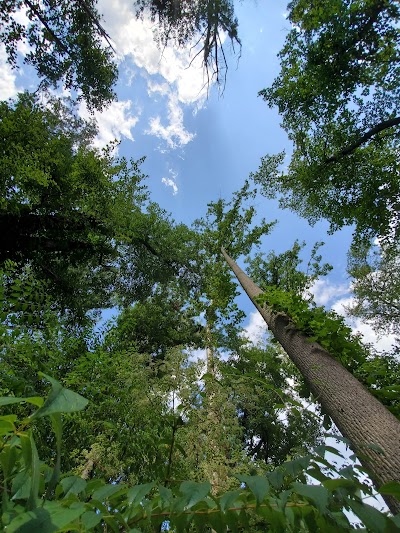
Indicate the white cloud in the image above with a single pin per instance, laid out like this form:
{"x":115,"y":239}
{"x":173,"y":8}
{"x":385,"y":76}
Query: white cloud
{"x":256,"y":328}
{"x":174,"y":134}
{"x":134,"y":38}
{"x":174,"y":73}
{"x":171,"y":181}
{"x":168,"y":182}
{"x":8,"y":87}
{"x":154,"y":87}
{"x":324,"y":291}
{"x":113,"y":123}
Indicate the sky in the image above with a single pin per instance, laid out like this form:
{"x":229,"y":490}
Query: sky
{"x":201,"y":145}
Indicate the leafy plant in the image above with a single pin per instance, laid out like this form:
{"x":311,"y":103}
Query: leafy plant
{"x":330,"y":331}
{"x":37,"y":498}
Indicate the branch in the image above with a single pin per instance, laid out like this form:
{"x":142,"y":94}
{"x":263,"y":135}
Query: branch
{"x":96,"y":22}
{"x":36,"y":11}
{"x":386,"y":124}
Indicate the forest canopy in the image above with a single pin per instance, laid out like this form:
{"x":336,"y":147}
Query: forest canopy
{"x":132,"y":396}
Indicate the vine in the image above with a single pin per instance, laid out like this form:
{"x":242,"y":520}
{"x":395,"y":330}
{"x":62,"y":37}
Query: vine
{"x":329,"y":330}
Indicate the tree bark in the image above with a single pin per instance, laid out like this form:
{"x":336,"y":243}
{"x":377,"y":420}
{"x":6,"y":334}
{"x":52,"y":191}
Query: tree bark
{"x":360,"y":417}
{"x":213,"y":466}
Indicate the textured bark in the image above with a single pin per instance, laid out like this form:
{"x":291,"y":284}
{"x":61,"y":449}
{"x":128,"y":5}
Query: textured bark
{"x":360,"y":417}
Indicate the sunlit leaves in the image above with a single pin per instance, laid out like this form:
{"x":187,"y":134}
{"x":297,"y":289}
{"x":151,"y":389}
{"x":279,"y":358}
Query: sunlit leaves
{"x":337,"y":93}
{"x":276,"y":503}
{"x":66,"y":44}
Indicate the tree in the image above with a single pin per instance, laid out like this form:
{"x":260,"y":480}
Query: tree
{"x":149,"y":424}
{"x":66,"y":44}
{"x":200,"y":24}
{"x":338,"y":94}
{"x":282,"y":270}
{"x":275,"y":424}
{"x":225,"y":221}
{"x":376,"y":287}
{"x":156,"y":325}
{"x":80,"y":218}
{"x":358,"y":415}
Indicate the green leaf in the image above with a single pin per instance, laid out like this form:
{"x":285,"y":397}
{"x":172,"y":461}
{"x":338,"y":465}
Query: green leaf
{"x":90,"y":519}
{"x":56,"y":423}
{"x":230,"y":499}
{"x":104,"y":493}
{"x":37,"y":521}
{"x":392,"y":489}
{"x":73,"y":485}
{"x":333,"y":484}
{"x":60,"y":400}
{"x":21,"y":486}
{"x":321,"y":450}
{"x":45,"y":520}
{"x":275,"y":478}
{"x":8,"y":400}
{"x":194,"y":492}
{"x":217,"y":522}
{"x":138,"y":492}
{"x":371,"y":517}
{"x":6,"y":427}
{"x":258,"y":485}
{"x":293,"y":468}
{"x":35,"y":475}
{"x":165,"y":496}
{"x":8,"y":457}
{"x":374,"y":447}
{"x":316,"y":493}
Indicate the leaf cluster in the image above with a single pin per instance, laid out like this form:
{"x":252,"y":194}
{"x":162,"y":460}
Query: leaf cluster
{"x":35,"y":497}
{"x":330,"y":331}
{"x":338,"y":95}
{"x":66,"y":44}
{"x":80,"y":218}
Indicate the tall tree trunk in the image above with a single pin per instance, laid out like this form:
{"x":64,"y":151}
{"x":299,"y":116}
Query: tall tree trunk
{"x":360,"y":417}
{"x":214,"y":467}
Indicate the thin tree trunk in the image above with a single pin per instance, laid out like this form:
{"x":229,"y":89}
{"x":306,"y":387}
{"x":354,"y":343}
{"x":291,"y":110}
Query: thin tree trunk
{"x":213,"y":466}
{"x":360,"y":417}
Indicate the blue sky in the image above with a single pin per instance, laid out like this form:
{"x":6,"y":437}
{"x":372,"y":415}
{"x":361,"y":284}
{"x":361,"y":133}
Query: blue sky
{"x":200,"y":148}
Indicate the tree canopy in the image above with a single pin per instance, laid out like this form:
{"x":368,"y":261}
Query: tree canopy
{"x":66,"y":45}
{"x":338,"y":95}
{"x":79,"y":217}
{"x":167,"y":416}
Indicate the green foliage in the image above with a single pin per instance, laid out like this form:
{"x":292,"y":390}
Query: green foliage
{"x":79,"y":218}
{"x":230,"y":224}
{"x":283,"y":270}
{"x":331,"y":332}
{"x":159,"y":323}
{"x":338,"y":93}
{"x":282,"y":499}
{"x":376,"y":286}
{"x":66,"y":44}
{"x":275,"y":424}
